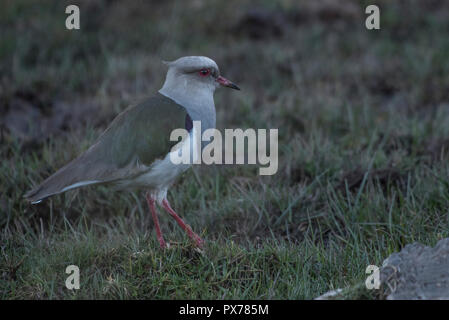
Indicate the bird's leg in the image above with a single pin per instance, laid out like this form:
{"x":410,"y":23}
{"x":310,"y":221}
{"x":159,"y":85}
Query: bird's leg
{"x":192,"y":235}
{"x":152,"y":205}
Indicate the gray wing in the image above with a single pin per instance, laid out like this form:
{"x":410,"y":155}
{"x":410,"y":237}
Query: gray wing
{"x":139,"y":135}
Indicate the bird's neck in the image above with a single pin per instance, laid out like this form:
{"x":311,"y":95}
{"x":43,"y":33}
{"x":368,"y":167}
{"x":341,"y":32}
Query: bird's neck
{"x":189,"y":96}
{"x":198,"y":102}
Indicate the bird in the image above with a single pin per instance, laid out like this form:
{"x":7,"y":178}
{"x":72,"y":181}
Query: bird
{"x":133,"y":153}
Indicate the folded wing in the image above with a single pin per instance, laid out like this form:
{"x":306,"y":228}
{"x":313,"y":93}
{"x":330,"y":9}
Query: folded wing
{"x":133,"y":141}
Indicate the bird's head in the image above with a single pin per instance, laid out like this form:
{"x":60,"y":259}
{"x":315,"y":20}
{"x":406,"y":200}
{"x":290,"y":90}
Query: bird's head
{"x":195,"y":73}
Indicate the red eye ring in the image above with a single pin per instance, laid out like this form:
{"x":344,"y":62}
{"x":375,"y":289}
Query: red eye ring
{"x":204,"y":72}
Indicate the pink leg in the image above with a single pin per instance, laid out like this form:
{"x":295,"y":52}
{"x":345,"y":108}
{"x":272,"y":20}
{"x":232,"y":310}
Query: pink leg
{"x":192,"y":235}
{"x":151,"y":204}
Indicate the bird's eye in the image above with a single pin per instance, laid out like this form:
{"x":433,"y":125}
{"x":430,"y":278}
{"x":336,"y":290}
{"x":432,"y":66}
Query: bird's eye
{"x":204,"y":72}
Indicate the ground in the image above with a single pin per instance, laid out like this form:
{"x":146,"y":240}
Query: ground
{"x":363,"y":123}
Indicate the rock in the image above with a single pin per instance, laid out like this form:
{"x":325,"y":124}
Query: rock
{"x":417,"y":272}
{"x":330,"y":295}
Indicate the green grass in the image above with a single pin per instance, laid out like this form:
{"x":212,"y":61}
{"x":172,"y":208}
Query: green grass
{"x":363,"y":125}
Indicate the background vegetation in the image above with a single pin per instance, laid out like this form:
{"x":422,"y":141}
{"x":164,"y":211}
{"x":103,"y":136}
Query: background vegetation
{"x":363,"y":124}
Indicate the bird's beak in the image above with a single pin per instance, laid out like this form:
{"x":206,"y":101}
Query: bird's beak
{"x":226,"y":83}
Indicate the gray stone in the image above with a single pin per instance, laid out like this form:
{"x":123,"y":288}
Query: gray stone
{"x":417,"y":272}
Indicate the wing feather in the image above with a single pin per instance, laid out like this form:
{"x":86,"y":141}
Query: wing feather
{"x":133,"y":141}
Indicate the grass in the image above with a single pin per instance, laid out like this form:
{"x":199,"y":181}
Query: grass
{"x":363,"y":124}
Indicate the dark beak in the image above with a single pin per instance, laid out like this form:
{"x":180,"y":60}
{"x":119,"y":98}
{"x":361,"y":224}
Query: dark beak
{"x":226,"y":83}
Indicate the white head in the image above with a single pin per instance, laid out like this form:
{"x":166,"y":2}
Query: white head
{"x":193,"y":79}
